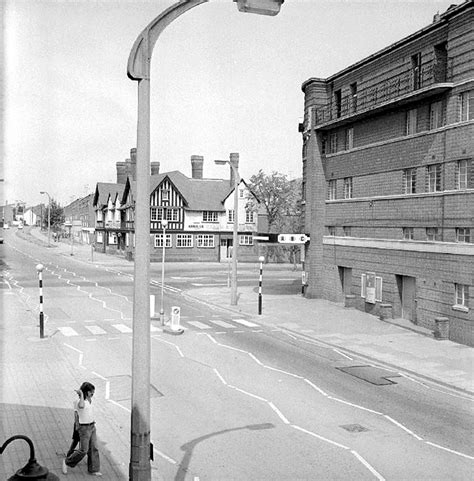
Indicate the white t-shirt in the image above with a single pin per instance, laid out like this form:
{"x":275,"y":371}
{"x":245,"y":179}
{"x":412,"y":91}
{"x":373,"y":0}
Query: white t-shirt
{"x":86,"y":414}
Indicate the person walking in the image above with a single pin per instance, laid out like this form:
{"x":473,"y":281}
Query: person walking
{"x":87,"y":432}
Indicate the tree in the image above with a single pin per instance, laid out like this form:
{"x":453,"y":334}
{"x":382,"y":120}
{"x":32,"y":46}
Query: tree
{"x":57,"y":216}
{"x":281,"y":199}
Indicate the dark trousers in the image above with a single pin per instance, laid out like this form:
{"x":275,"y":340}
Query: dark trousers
{"x":87,"y":445}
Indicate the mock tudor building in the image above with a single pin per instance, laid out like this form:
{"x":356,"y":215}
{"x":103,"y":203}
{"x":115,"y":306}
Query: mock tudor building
{"x":199,"y":214}
{"x":388,"y":179}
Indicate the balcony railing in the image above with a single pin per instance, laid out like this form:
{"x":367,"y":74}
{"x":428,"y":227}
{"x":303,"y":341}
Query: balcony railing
{"x":390,"y":89}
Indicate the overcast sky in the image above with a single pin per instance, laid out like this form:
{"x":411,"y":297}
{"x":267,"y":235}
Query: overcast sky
{"x":222,"y":81}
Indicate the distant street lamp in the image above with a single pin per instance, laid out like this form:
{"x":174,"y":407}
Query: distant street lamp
{"x":164,"y":225}
{"x":234,"y":165}
{"x":49,"y":216}
{"x":138,"y":69}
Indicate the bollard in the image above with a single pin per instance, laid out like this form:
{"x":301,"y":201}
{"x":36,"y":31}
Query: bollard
{"x":40,"y":268}
{"x":261,"y":259}
{"x":174,"y":325}
{"x":152,"y":306}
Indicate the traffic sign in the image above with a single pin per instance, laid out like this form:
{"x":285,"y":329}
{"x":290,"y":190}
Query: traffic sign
{"x":261,"y":237}
{"x":293,"y":238}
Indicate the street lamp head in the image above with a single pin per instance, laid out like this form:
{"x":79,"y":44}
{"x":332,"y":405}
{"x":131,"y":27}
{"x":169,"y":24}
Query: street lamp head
{"x":164,"y":223}
{"x":39,"y":267}
{"x":261,"y":259}
{"x":260,"y":7}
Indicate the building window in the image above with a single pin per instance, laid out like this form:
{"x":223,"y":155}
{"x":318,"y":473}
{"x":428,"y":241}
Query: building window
{"x":460,"y":174}
{"x":463,"y":234}
{"x":410,"y":122}
{"x":332,"y":192}
{"x":184,"y":240}
{"x":100,"y":237}
{"x":156,"y":213}
{"x":348,"y":188}
{"x":378,"y":287}
{"x":461,"y":295}
{"x":205,"y":240}
{"x":209,"y":216}
{"x":416,"y":70}
{"x":349,"y":138}
{"x":159,"y":240}
{"x":249,"y":217}
{"x":434,"y":177}
{"x":100,"y":216}
{"x":165,"y":195}
{"x":466,"y":106}
{"x":354,"y":97}
{"x":433,"y":234}
{"x":437,"y":115}
{"x":338,"y":102}
{"x":241,"y":193}
{"x":409,"y":181}
{"x":112,"y":239}
{"x":172,"y":214}
{"x":332,"y":144}
{"x":246,"y":240}
{"x":346,"y":231}
{"x":230,"y":216}
{"x":408,"y":233}
{"x":331,"y":230}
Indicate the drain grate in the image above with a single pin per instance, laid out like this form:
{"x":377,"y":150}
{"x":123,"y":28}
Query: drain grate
{"x":374,"y":375}
{"x":354,"y":428}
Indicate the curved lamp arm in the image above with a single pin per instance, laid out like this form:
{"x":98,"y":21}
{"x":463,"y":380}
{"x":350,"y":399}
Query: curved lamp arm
{"x":138,"y":66}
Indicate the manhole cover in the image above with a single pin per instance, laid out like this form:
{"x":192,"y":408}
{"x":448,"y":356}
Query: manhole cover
{"x":371,"y":374}
{"x":121,"y":388}
{"x":354,"y":428}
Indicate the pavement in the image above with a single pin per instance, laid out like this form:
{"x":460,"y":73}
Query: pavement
{"x":28,"y":385}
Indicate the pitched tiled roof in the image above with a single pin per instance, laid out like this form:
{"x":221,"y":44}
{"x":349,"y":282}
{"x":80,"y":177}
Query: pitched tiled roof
{"x":199,"y":194}
{"x":104,"y":190}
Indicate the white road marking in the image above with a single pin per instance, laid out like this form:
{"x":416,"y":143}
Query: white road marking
{"x":244,"y":322}
{"x":199,"y":325}
{"x":67,"y":331}
{"x":449,"y":450}
{"x":223,"y":324}
{"x":367,"y":465}
{"x":122,"y":328}
{"x":95,"y":330}
{"x":319,"y":437}
{"x":403,"y":427}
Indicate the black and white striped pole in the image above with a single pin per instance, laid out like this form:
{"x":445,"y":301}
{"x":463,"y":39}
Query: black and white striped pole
{"x":261,"y":259}
{"x":40,"y":268}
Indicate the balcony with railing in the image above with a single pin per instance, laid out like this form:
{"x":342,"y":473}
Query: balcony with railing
{"x":409,"y":86}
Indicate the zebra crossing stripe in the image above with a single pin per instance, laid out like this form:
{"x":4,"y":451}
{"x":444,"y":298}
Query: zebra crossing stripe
{"x":243,"y":322}
{"x":68,"y":331}
{"x":199,"y":325}
{"x":122,"y":328}
{"x":95,"y":330}
{"x":223,"y":324}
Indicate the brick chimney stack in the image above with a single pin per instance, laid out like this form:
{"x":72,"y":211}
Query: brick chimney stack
{"x":121,"y":172}
{"x":133,"y":163}
{"x":154,"y":168}
{"x":197,"y":162}
{"x":234,"y":160}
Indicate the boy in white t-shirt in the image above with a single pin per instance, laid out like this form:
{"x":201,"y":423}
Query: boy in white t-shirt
{"x":87,"y":432}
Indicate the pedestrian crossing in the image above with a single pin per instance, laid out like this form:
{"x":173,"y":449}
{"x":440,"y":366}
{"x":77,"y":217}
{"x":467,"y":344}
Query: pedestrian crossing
{"x":102,"y":328}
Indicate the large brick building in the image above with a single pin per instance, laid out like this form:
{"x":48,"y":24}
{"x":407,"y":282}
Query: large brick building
{"x":388,"y":179}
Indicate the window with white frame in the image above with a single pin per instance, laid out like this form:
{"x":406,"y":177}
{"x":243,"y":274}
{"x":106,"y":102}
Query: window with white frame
{"x":461,"y":295}
{"x":409,"y":181}
{"x":230,"y":216}
{"x":112,"y":238}
{"x":205,"y":240}
{"x":434,"y":177}
{"x":184,"y":240}
{"x":210,"y":216}
{"x":156,"y":213}
{"x":433,"y":234}
{"x":378,"y":287}
{"x":437,"y":115}
{"x":347,"y":187}
{"x":100,"y":237}
{"x":408,"y":233}
{"x":159,"y":240}
{"x":460,"y":174}
{"x":100,"y":215}
{"x":466,"y":106}
{"x":172,"y":214}
{"x":332,"y":192}
{"x":249,"y":217}
{"x":463,"y":234}
{"x":246,"y":240}
{"x":165,"y":195}
{"x":410,"y":122}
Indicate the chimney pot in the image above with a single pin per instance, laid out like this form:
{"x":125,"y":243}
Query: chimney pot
{"x":155,"y":168}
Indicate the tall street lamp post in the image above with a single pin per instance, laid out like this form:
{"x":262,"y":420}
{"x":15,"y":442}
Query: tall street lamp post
{"x":164,"y":225}
{"x":49,"y":216}
{"x":234,"y":165}
{"x":138,"y":69}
